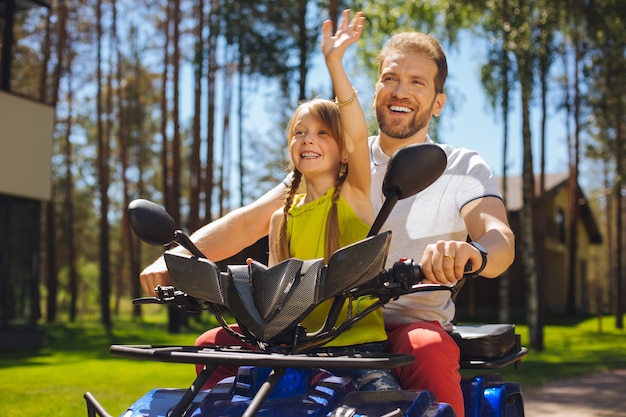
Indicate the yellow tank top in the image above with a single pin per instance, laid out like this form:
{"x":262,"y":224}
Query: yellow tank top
{"x":306,"y":230}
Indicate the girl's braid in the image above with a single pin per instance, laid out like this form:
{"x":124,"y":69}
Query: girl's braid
{"x":283,"y":243}
{"x":332,"y":222}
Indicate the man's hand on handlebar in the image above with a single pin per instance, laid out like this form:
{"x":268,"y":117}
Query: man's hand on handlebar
{"x":155,"y":274}
{"x":444,"y":262}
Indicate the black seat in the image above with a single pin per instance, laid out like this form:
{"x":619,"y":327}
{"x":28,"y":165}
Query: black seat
{"x":488,"y":346}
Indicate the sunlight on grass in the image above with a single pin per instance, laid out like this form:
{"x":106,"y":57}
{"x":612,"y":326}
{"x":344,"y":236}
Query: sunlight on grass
{"x":56,"y":389}
{"x":76,"y":359}
{"x":570,"y":350}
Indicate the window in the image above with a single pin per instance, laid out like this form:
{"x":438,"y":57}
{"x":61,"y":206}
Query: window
{"x":560,"y":225}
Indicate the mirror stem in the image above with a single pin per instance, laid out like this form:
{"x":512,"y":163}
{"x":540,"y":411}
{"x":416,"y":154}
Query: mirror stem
{"x":384,"y":212}
{"x":185,"y":242}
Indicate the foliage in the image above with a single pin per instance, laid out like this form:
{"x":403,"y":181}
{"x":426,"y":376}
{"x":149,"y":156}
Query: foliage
{"x":444,"y":19}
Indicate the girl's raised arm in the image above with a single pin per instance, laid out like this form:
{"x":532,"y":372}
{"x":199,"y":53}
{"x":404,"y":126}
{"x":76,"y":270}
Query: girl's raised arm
{"x":352,"y":116}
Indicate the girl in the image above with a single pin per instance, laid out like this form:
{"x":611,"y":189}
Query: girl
{"x":330,"y":156}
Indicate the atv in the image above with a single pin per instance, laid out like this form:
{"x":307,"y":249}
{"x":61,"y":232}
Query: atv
{"x":283,"y":375}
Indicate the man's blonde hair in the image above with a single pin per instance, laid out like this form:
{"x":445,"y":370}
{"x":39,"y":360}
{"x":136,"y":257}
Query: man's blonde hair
{"x":417,"y":42}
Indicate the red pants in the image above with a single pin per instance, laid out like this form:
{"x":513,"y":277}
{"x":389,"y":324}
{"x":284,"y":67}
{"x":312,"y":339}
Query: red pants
{"x":436,"y":365}
{"x":219,"y":337}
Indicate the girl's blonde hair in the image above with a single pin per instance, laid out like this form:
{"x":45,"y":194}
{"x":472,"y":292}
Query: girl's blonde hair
{"x":328,"y":113}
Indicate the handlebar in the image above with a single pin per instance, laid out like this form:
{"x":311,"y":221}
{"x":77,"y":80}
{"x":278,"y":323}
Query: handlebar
{"x":286,"y":333}
{"x":404,"y":277}
{"x":169,"y":295}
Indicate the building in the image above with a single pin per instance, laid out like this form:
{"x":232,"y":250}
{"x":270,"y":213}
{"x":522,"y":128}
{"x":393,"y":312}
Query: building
{"x":481,"y":296}
{"x":26,"y":129}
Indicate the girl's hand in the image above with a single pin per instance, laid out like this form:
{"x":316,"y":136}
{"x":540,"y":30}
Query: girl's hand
{"x":334,"y":46}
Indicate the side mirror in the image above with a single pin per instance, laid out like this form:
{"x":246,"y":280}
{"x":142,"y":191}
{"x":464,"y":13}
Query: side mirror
{"x":409,"y":171}
{"x":156,"y":227}
{"x":151,"y":222}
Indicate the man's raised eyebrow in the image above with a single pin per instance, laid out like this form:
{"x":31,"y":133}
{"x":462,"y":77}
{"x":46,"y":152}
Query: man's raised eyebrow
{"x":387,"y":72}
{"x":420,"y":77}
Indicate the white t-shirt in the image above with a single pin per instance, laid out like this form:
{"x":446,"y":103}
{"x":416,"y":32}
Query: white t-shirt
{"x":431,"y":215}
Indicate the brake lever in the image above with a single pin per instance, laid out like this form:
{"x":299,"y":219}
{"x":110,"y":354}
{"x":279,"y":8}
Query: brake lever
{"x":171,"y":296}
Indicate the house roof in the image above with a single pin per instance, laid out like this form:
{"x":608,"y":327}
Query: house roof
{"x":554,"y":182}
{"x":514,"y":198}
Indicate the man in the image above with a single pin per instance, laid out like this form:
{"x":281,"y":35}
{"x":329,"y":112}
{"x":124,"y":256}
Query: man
{"x":432,"y":226}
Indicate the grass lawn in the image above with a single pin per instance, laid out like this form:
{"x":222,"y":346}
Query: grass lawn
{"x":52,"y":381}
{"x":576,"y":346}
{"x":76,"y":359}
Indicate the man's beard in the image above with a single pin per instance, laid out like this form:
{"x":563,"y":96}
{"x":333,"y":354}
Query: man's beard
{"x":395,"y":131}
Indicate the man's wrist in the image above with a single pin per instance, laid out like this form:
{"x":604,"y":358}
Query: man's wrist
{"x":483,"y":254}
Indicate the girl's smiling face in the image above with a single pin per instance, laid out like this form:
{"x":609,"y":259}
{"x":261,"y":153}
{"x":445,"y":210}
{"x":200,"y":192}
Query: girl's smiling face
{"x":313,"y":148}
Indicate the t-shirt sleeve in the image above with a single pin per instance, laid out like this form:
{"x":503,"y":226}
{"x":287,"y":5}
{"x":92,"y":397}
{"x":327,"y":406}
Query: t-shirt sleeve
{"x":476,"y":178}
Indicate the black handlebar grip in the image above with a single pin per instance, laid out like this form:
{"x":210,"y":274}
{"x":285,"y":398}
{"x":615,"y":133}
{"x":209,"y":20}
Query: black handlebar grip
{"x":406,"y":273}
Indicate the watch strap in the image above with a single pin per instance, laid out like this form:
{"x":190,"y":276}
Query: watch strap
{"x":483,"y":254}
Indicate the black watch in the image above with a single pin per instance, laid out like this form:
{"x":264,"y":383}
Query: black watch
{"x":483,"y":253}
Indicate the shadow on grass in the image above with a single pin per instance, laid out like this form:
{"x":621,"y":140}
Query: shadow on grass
{"x":533,"y":374}
{"x":72,"y":342}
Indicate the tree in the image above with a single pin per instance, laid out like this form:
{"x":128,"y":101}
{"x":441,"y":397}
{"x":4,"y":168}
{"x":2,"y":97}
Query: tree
{"x":574,"y":160}
{"x":51,"y":267}
{"x":214,"y":29}
{"x":122,"y":147}
{"x":497,"y":76}
{"x":103,"y":180}
{"x":527,"y":29}
{"x":604,"y":23}
{"x":139,"y":102}
{"x":195,"y":164}
{"x":524,"y":53}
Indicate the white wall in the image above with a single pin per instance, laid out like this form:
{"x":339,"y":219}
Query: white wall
{"x":26,"y":128}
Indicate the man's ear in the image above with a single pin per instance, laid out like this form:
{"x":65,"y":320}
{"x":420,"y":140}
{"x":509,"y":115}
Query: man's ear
{"x":440,"y":101}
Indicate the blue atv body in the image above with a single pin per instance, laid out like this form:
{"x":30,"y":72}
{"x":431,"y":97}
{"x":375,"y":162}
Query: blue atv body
{"x":485,"y":395}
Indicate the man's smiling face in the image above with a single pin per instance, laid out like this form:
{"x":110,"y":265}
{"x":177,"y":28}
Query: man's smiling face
{"x":405,"y":98}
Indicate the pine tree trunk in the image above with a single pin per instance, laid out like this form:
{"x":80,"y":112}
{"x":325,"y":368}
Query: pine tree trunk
{"x":103,"y":185}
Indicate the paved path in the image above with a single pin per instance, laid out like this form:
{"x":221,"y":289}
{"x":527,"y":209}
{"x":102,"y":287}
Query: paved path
{"x":597,"y":395}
